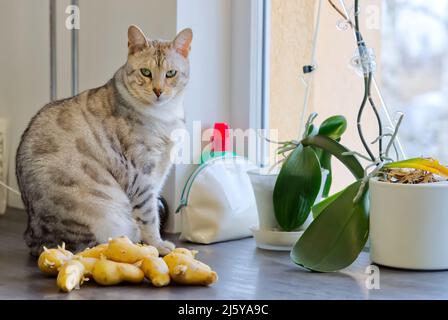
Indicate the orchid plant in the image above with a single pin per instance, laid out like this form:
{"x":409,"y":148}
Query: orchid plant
{"x":341,"y":221}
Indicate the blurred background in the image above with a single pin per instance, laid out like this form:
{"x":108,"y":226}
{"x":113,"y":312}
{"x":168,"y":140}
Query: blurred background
{"x":415,"y":72}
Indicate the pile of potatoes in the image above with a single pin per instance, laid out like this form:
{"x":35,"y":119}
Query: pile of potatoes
{"x":120,"y":260}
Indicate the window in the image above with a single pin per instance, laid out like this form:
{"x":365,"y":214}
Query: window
{"x":336,"y":88}
{"x":415,"y":72}
{"x":410,"y":40}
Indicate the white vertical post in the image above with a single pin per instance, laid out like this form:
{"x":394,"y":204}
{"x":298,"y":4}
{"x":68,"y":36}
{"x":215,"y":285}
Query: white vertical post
{"x":53,"y":63}
{"x":75,"y":56}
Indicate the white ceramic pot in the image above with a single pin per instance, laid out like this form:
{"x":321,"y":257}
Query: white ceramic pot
{"x":263,"y":184}
{"x":409,"y":225}
{"x":268,"y":234}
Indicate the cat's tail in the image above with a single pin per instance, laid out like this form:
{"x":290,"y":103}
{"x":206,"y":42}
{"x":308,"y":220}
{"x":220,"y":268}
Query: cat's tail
{"x":163,"y":211}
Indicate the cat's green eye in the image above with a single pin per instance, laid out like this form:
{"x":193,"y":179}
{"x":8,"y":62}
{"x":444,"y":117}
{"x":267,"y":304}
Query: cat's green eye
{"x":146,"y":72}
{"x":171,"y":73}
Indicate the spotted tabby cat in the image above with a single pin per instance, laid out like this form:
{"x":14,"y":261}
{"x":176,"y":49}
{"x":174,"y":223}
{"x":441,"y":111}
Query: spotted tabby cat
{"x":91,"y":167}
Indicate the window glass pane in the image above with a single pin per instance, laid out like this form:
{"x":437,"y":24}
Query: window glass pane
{"x":336,"y":88}
{"x":415,"y":72}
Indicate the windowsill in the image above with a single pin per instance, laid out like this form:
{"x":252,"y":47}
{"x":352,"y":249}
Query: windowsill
{"x":245,"y":272}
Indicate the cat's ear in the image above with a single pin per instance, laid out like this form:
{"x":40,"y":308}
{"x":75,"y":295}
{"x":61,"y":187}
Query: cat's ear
{"x":182,"y":42}
{"x":136,"y":39}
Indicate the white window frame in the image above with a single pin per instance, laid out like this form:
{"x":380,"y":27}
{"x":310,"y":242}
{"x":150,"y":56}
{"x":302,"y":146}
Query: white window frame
{"x":250,"y":73}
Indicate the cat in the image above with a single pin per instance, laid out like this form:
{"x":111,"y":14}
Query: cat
{"x":91,"y":167}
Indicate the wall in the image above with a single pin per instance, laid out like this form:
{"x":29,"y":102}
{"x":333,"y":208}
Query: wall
{"x":291,"y":36}
{"x":24,"y":65}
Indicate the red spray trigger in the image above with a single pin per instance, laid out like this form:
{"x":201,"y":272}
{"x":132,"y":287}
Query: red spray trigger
{"x":220,"y":140}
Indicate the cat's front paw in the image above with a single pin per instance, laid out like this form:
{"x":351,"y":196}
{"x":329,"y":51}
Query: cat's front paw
{"x":164,"y":247}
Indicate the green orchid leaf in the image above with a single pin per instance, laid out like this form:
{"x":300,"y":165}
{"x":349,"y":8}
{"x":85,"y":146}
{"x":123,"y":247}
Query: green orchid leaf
{"x":312,"y":130}
{"x":336,"y":149}
{"x":338,"y":234}
{"x":296,"y":188}
{"x":319,"y":207}
{"x":333,"y":127}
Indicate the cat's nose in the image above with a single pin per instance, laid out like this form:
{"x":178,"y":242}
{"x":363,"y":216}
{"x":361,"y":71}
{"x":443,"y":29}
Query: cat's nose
{"x":157,"y":91}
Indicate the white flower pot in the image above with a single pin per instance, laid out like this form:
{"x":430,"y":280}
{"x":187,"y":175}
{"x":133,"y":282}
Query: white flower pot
{"x":263,"y":184}
{"x":268,"y":235}
{"x":409,"y":225}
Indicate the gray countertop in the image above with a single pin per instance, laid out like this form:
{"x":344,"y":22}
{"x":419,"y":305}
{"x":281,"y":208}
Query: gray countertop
{"x":245,"y":272}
